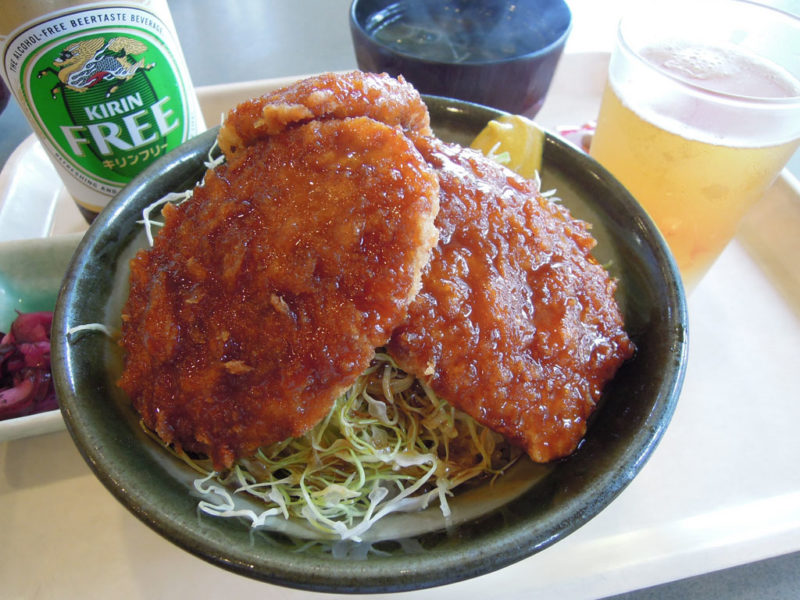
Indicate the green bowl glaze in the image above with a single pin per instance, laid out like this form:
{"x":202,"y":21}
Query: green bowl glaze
{"x":30,"y":274}
{"x":536,"y":513}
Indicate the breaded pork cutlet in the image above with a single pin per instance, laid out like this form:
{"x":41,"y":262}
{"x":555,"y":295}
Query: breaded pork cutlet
{"x":328,"y":96}
{"x":265,"y":295}
{"x":516,"y":323}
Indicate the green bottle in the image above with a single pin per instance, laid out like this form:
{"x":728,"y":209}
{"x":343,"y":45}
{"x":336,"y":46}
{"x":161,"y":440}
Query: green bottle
{"x":104,"y":86}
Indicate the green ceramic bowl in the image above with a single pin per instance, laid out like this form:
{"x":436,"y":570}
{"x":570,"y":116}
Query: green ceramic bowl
{"x":533,"y":508}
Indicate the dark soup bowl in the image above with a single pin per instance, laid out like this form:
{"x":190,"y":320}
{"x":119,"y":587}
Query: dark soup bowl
{"x":497,"y":53}
{"x":526,"y":510}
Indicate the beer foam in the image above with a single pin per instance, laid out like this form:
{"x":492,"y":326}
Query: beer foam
{"x":725,"y":69}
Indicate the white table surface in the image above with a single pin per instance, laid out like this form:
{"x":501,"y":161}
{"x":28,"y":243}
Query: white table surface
{"x":721,"y":489}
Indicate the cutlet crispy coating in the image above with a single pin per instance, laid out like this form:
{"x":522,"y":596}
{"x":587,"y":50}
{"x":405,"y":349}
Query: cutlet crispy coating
{"x":264,"y":296}
{"x":515,"y":323}
{"x":354,"y":94}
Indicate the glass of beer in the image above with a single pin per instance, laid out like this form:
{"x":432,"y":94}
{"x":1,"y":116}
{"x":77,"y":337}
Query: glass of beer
{"x":700,"y":114}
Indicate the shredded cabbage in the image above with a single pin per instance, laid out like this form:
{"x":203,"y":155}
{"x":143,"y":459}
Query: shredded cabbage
{"x":178,"y":198}
{"x":77,"y":329}
{"x":388,"y":445}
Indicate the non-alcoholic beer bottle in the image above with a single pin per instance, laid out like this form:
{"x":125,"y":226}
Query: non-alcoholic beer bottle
{"x":104,"y":85}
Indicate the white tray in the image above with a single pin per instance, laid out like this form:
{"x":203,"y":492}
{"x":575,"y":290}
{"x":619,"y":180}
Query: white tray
{"x":722,"y":488}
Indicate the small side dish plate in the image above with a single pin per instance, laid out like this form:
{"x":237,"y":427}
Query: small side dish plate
{"x":157,"y":488}
{"x":30,"y":277}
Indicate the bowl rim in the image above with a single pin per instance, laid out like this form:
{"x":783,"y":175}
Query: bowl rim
{"x":493,"y":551}
{"x":553,"y":46}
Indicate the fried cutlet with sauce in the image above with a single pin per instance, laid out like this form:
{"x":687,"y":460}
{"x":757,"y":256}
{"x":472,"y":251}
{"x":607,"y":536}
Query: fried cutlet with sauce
{"x":355,"y":94}
{"x":265,"y":295}
{"x":516,"y":323}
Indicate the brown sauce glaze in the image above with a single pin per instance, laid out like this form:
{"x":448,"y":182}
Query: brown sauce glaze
{"x":354,"y":94}
{"x":265,"y":295}
{"x":516,"y":323}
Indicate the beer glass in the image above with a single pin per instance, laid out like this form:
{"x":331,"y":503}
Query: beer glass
{"x":700,"y":114}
